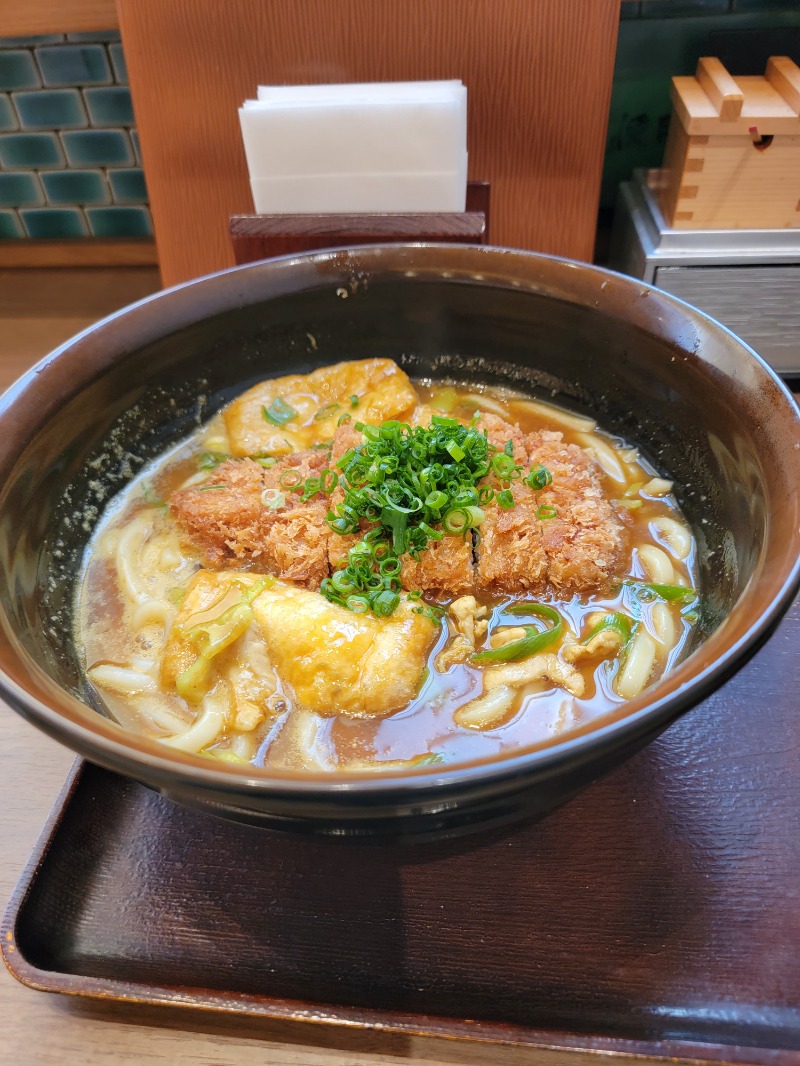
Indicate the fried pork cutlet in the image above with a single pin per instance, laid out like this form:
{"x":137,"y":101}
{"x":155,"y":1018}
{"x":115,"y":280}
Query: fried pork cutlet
{"x":227,"y":522}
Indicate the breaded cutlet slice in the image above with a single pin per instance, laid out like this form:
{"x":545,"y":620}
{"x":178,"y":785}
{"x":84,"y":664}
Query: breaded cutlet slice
{"x":565,"y":537}
{"x":226,"y":522}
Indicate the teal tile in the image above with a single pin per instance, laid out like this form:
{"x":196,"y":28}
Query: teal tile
{"x":118,"y":62}
{"x":119,"y":221}
{"x":50,"y":109}
{"x":630,"y":9}
{"x":26,"y":151}
{"x":76,"y":187}
{"x":128,"y":186}
{"x":18,"y":71}
{"x":98,"y":35}
{"x":20,"y":190}
{"x":53,"y":222}
{"x":74,"y":65}
{"x":10,"y":225}
{"x":97,"y":148}
{"x":8,"y":116}
{"x":31,"y":42}
{"x":136,"y":146}
{"x":109,"y":107}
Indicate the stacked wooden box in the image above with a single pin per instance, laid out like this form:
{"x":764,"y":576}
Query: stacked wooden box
{"x":732,"y":159}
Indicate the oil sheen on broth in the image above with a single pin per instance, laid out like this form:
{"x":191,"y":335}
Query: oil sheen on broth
{"x":347,"y":571}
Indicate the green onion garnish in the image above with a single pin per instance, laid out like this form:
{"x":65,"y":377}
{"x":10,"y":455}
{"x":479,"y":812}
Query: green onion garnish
{"x":266,"y":461}
{"x":544,"y":513}
{"x":533,"y":641}
{"x":670,"y":593}
{"x":617,"y":621}
{"x":401,"y":486}
{"x":505,"y":499}
{"x":538,"y":478}
{"x":326,"y":412}
{"x":504,"y":466}
{"x":354,"y":401}
{"x":290,"y":479}
{"x":273,"y":499}
{"x":279,"y":412}
{"x":211,"y":460}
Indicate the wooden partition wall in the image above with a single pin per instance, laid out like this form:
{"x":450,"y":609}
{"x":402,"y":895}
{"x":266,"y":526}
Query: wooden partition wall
{"x":538,"y":74}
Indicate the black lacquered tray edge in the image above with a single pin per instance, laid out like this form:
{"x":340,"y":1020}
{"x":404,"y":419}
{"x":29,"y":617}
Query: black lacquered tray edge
{"x":107,"y":988}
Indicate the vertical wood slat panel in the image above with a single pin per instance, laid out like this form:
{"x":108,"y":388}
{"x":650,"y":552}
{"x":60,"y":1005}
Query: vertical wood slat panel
{"x":538,"y":74}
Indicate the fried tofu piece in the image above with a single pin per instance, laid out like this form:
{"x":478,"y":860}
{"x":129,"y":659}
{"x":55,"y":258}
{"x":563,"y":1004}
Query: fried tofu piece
{"x":244,"y":667}
{"x":227,"y":522}
{"x":340,"y":663}
{"x":320,"y":398}
{"x":207,"y":596}
{"x":443,"y":569}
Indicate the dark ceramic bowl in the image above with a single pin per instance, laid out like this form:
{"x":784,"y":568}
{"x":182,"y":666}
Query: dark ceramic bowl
{"x":695,"y":399}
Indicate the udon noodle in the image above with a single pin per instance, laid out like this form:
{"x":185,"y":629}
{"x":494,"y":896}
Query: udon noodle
{"x":347,"y":572}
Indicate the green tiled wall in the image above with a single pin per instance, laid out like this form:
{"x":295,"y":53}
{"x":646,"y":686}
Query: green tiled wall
{"x":69,"y":154}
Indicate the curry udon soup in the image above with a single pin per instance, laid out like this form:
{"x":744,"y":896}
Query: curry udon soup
{"x":346,"y":571}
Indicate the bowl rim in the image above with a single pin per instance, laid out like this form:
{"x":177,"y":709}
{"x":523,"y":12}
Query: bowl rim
{"x":148,"y":760}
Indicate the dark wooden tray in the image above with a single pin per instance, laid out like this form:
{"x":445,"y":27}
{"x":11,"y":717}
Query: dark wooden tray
{"x":658,"y":913}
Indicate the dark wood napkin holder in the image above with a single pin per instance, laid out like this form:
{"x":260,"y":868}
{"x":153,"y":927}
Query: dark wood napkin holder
{"x":264,"y":236}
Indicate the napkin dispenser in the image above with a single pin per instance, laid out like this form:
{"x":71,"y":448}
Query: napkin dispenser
{"x":375,"y":147}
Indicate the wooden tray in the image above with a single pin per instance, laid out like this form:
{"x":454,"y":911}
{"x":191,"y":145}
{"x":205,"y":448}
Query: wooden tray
{"x":658,"y":913}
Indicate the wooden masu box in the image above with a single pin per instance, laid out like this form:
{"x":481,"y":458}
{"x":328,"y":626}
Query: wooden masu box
{"x":732,"y":159}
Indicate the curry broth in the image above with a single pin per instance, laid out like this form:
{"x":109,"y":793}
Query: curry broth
{"x":114,"y":635}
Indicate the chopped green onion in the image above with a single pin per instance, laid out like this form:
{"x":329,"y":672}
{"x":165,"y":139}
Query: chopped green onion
{"x":508,"y":448}
{"x":533,"y":641}
{"x":415,"y":594}
{"x":266,"y":461}
{"x":328,"y":480}
{"x":357,"y":604}
{"x":545,"y":512}
{"x":354,"y":401}
{"x":505,"y":499}
{"x":538,"y":478}
{"x":457,"y":520}
{"x":455,"y":450}
{"x":273,"y":499}
{"x":209,"y":488}
{"x":279,"y":412}
{"x":504,"y":466}
{"x":670,"y":593}
{"x":436,"y":500}
{"x":617,"y":621}
{"x":311,"y":487}
{"x":290,"y":479}
{"x":212,"y":637}
{"x":211,"y":460}
{"x":176,"y":596}
{"x":385,"y":604}
{"x":343,"y":420}
{"x":431,"y":759}
{"x":326,"y":412}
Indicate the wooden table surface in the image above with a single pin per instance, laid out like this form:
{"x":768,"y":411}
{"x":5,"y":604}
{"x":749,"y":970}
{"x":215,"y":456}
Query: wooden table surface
{"x":38,"y":309}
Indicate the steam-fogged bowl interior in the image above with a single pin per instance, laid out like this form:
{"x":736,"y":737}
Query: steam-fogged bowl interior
{"x":700,"y":406}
